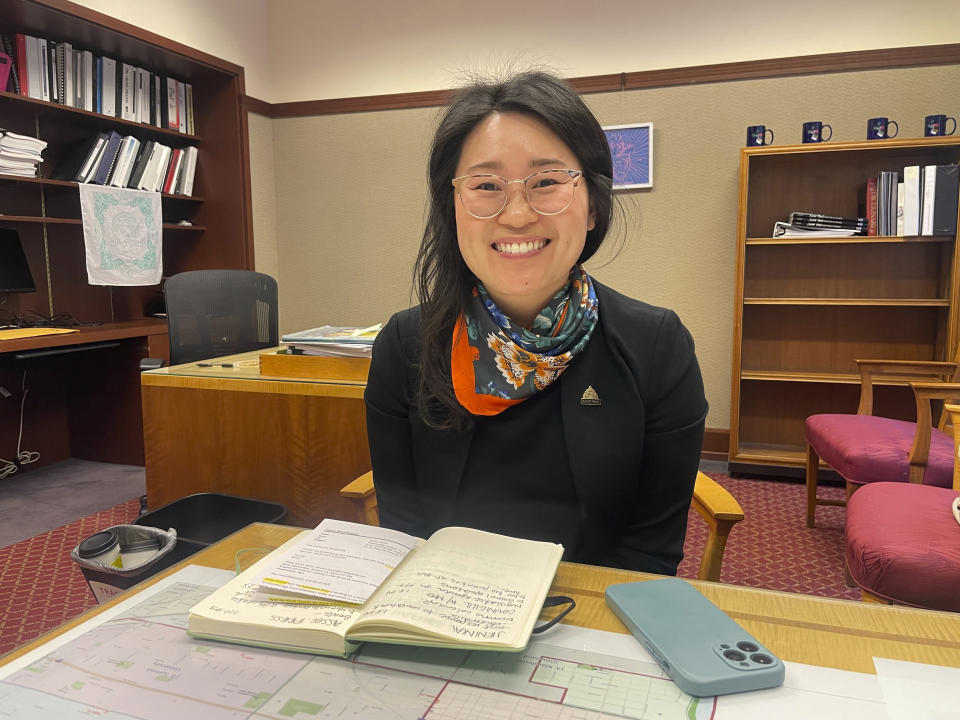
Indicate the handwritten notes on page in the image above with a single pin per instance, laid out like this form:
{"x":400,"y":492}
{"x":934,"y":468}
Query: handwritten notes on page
{"x":337,"y":562}
{"x":464,"y":586}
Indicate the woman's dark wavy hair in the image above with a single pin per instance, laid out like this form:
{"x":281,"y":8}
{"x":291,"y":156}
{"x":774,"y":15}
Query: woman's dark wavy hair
{"x":441,"y":277}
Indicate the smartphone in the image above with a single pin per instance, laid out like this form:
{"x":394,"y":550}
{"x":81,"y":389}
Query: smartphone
{"x":703,"y":650}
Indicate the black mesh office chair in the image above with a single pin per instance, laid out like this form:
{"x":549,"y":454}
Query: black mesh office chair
{"x":220,"y":312}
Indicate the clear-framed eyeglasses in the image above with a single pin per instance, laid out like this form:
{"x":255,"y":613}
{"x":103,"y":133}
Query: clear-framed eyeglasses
{"x":549,"y":192}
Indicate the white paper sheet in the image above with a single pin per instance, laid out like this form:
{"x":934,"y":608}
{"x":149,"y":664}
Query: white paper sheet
{"x":338,"y":562}
{"x":915,"y":691}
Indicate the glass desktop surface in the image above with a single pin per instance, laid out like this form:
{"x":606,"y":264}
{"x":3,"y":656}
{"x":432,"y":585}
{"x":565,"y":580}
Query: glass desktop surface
{"x":243,"y":366}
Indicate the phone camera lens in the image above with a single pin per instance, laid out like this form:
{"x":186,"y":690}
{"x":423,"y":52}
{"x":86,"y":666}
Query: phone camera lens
{"x":734,"y":655}
{"x":762,"y":659}
{"x":748,"y":647}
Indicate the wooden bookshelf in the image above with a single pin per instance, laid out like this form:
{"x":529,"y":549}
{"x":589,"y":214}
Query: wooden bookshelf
{"x":806,"y":308}
{"x":46,"y":214}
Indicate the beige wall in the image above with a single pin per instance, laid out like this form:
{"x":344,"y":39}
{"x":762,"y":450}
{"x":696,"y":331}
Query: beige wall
{"x":343,"y":252}
{"x":314,"y":49}
{"x":350,"y":197}
{"x":371,"y":47}
{"x":264,"y":192}
{"x":232,"y":30}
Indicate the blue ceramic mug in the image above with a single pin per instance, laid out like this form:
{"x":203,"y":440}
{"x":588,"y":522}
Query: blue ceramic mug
{"x":879,"y":128}
{"x":813,"y":132}
{"x":757,"y":135}
{"x":936,"y":125}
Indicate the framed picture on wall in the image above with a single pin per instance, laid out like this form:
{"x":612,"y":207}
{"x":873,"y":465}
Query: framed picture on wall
{"x":631,"y":147}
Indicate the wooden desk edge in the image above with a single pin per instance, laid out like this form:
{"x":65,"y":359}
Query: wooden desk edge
{"x":935,"y":633}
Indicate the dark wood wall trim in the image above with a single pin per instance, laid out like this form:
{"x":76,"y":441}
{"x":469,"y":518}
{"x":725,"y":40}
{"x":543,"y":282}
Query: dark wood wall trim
{"x":716,"y":444}
{"x":885,"y":59}
{"x":800,"y":65}
{"x":336,"y":106}
{"x":251,"y":104}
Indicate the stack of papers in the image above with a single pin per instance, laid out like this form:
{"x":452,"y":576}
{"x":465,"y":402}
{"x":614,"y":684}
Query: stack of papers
{"x":333,"y":341}
{"x":20,"y":154}
{"x":782,"y":229}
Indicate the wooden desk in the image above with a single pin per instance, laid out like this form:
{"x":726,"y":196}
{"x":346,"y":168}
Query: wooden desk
{"x":295,"y":441}
{"x":800,"y":628}
{"x":83,"y":391}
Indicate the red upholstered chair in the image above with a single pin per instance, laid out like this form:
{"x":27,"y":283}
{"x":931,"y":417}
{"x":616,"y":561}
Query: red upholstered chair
{"x":865,"y":449}
{"x":903,"y":541}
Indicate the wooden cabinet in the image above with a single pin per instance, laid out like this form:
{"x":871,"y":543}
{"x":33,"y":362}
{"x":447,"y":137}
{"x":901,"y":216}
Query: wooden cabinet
{"x":46,"y":214}
{"x":807,"y":308}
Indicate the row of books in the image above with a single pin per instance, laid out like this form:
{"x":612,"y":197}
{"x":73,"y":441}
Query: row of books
{"x":60,"y":73}
{"x":920,"y":200}
{"x":20,"y":155}
{"x":111,"y":159}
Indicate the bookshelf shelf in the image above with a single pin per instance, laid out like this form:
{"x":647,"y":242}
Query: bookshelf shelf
{"x":810,"y":377}
{"x":852,"y":240}
{"x":76,"y":221}
{"x":806,"y":308}
{"x":51,"y":183}
{"x":865,"y":302}
{"x":74,"y":115}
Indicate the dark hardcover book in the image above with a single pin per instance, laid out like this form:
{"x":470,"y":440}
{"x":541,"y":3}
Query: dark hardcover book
{"x":164,"y":113}
{"x":825,"y":218}
{"x":107,"y":159}
{"x":98,"y":84}
{"x":13,"y":82}
{"x":51,"y":69}
{"x":152,"y":91}
{"x":945,"y":200}
{"x":118,"y":91}
{"x":73,"y":160}
{"x":20,"y":44}
{"x":853,"y":223}
{"x":143,"y":157}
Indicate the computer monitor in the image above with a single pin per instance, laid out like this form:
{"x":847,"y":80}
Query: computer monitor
{"x":15,"y":274}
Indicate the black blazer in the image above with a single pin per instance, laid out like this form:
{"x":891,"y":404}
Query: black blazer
{"x":633,"y":458}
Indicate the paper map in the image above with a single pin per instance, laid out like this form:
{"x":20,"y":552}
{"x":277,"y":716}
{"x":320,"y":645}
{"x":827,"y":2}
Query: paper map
{"x":136,"y":661}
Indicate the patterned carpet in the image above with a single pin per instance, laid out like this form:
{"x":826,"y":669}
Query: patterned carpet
{"x":771,"y":548}
{"x":38,"y":595}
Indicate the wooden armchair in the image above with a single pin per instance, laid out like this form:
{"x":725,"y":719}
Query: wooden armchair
{"x":865,"y":448}
{"x":719,"y":509}
{"x":903,"y":539}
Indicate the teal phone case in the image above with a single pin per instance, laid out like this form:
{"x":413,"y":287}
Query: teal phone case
{"x":703,"y":650}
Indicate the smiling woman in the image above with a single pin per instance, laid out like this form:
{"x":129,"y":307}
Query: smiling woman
{"x":521,"y":396}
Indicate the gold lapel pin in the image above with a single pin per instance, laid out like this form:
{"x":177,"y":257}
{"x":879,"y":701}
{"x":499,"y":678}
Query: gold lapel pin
{"x":590,"y":397}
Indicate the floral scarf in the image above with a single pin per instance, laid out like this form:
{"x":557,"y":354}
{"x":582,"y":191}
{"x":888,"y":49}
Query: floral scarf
{"x":496,"y":364}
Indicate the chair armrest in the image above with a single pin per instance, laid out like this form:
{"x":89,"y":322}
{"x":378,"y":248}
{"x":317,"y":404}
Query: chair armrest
{"x":363,"y":493}
{"x":954,"y":412}
{"x":360,"y":488}
{"x":721,"y":511}
{"x":911,"y":369}
{"x":924,"y":393}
